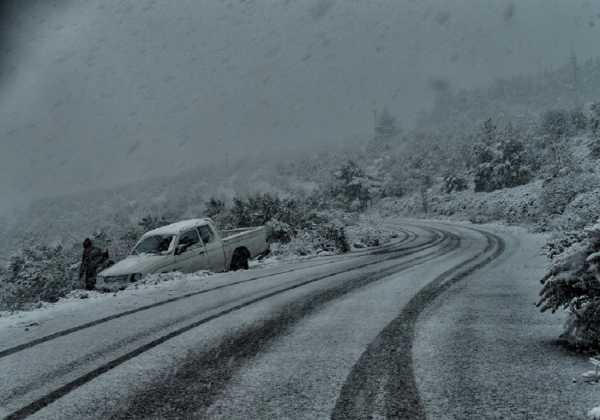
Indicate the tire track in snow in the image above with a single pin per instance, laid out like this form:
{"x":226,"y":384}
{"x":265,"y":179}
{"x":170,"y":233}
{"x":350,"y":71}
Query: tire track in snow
{"x":204,"y":375}
{"x":41,"y":380}
{"x":382,"y":383}
{"x":409,"y":238}
{"x":439,"y":237}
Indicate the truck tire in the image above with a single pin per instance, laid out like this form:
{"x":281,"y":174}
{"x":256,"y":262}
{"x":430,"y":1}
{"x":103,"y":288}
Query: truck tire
{"x":239,"y":260}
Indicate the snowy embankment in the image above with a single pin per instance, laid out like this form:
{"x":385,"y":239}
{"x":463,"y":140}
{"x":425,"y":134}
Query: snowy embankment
{"x":570,"y":200}
{"x":520,"y":204}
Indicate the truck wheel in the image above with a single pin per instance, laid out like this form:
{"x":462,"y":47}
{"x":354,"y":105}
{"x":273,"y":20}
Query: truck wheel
{"x":239,"y":260}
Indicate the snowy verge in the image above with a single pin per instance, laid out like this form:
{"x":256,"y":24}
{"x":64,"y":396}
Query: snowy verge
{"x":152,"y":288}
{"x":511,"y":205}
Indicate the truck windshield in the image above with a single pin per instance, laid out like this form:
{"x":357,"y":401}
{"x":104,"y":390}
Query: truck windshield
{"x":157,"y":244}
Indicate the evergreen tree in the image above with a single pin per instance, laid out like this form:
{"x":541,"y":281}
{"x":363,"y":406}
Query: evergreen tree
{"x":38,"y":273}
{"x":500,"y":159}
{"x":351,"y":186}
{"x":573,"y":283}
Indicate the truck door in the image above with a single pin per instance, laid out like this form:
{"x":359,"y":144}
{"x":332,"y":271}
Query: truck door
{"x":189,"y":252}
{"x":215,"y":257}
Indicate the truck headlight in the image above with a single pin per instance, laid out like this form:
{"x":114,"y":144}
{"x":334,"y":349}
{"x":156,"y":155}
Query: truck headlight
{"x":135,"y":277}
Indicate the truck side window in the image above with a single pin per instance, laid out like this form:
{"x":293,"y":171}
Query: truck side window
{"x":189,"y":238}
{"x":206,"y":234}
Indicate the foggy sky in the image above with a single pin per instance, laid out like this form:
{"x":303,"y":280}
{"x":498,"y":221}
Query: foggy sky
{"x":97,"y":93}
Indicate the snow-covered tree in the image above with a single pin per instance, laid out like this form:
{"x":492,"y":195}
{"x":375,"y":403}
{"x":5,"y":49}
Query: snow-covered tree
{"x":573,"y":283}
{"x":555,"y":123}
{"x":500,"y":159}
{"x":452,"y":183}
{"x":351,"y":186}
{"x":555,"y":127}
{"x":420,"y":173}
{"x":35,"y":274}
{"x":559,"y":191}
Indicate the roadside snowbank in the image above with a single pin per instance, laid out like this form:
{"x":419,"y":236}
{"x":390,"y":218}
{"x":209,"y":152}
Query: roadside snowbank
{"x":512,"y":205}
{"x":156,"y":285}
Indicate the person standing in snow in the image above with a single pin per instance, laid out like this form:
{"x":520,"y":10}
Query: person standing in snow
{"x":92,"y":259}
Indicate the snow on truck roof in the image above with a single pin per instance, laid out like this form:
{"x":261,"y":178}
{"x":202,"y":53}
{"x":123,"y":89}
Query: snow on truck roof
{"x":175,"y":228}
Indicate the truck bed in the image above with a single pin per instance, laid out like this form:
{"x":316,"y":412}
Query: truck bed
{"x":252,"y":238}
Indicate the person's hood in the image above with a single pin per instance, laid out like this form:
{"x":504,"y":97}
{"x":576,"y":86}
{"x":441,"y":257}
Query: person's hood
{"x":144,"y":264}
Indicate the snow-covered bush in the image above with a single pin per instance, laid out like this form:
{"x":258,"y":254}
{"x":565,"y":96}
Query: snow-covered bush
{"x":578,"y":120}
{"x":350,"y":187}
{"x":559,"y":191}
{"x":556,"y":130}
{"x":573,"y":283}
{"x":453,"y":183}
{"x":254,"y":210}
{"x":594,"y":413}
{"x":327,"y":238}
{"x":37,"y":274}
{"x":500,"y":159}
{"x":332,"y":237}
{"x":370,"y":232}
{"x":280,"y":231}
{"x":555,"y":123}
{"x":580,"y":212}
{"x":296,"y":225}
{"x":384,"y":178}
{"x":563,"y":241}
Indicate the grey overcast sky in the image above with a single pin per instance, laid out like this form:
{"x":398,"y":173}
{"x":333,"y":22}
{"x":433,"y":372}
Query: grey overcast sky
{"x":101,"y":92}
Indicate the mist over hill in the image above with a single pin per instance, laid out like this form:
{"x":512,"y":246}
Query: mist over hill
{"x":521,"y":99}
{"x":449,"y":124}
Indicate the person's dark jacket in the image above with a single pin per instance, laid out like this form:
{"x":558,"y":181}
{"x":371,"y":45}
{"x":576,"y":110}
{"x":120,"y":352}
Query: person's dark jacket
{"x":92,"y":259}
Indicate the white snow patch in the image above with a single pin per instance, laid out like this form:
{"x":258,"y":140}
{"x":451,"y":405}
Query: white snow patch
{"x":594,"y":413}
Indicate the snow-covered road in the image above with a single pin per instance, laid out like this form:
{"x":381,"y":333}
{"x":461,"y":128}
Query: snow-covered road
{"x":326,"y":337}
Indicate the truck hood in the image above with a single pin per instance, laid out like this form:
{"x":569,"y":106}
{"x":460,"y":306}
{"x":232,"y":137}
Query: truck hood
{"x":144,"y":264}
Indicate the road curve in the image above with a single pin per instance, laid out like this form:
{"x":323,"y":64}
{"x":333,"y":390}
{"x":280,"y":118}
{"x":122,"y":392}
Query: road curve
{"x":325,"y":338}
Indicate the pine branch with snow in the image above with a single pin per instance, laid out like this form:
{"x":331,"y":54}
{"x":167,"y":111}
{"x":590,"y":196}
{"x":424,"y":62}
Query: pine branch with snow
{"x":573,"y":283}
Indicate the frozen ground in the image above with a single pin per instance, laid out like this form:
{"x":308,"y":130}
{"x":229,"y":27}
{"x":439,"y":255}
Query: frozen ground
{"x":321,"y":337}
{"x":82,"y":306}
{"x":484,"y":351}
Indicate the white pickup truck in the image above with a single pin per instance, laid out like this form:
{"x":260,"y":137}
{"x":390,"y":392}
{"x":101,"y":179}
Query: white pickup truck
{"x":186,"y":246}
